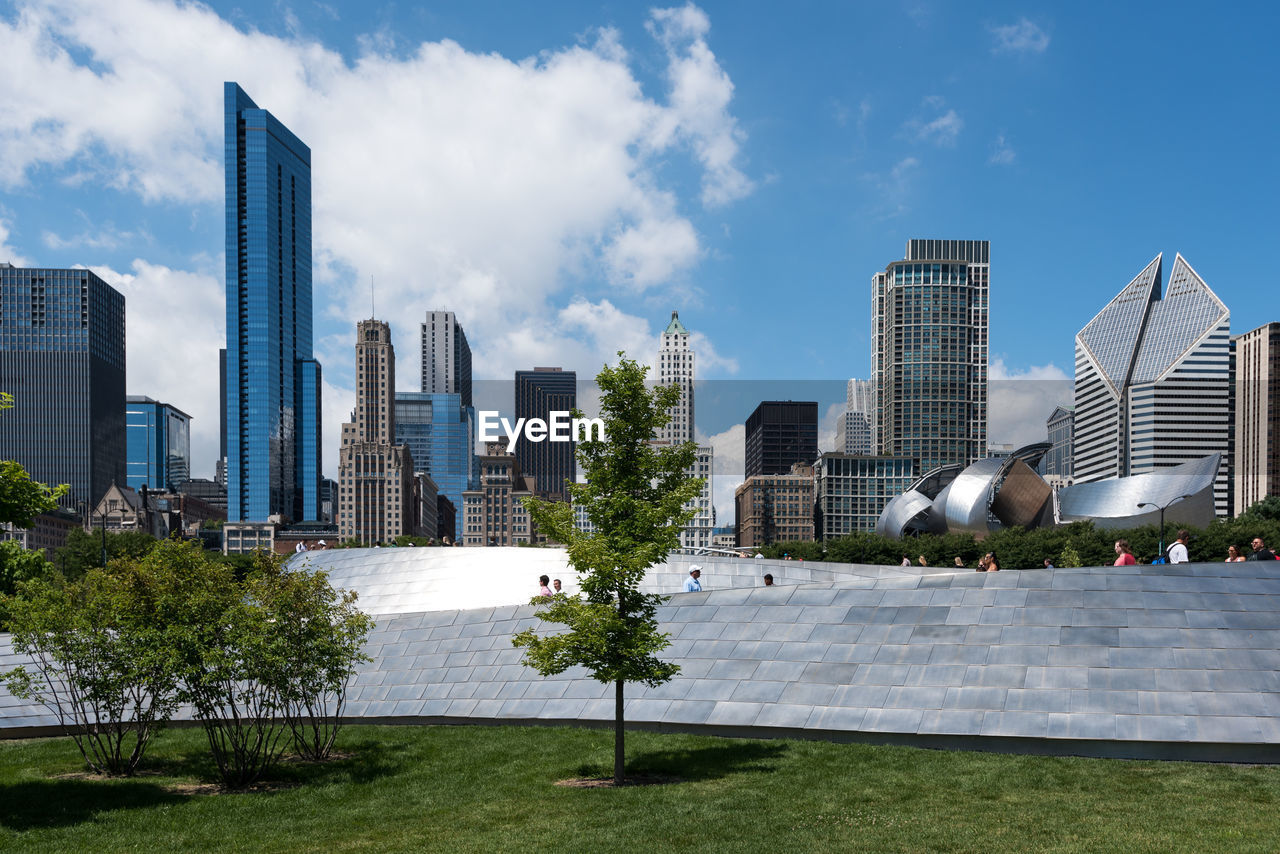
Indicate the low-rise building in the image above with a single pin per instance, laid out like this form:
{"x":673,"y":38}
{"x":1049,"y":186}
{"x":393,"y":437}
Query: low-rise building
{"x":494,"y":514}
{"x":776,"y":508}
{"x":850,"y":491}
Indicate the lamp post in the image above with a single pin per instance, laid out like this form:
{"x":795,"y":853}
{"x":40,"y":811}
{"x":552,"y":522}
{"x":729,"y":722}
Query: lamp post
{"x":1142,"y":504}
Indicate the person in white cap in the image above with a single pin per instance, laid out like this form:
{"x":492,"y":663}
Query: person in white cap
{"x":692,"y":584}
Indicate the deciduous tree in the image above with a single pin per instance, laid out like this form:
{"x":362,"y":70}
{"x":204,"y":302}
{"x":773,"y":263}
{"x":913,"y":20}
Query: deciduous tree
{"x":635,"y":495}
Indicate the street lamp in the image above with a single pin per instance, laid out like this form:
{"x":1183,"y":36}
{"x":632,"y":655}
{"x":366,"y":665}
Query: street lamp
{"x":1142,"y":504}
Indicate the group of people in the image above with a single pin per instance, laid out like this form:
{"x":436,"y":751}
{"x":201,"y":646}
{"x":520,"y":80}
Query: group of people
{"x":1178,"y":552}
{"x":544,"y":590}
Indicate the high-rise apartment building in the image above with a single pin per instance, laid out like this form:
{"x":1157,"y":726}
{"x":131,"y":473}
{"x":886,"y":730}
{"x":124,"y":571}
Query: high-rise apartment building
{"x":538,"y":393}
{"x":1153,"y":380}
{"x":440,"y":433}
{"x":446,"y":357}
{"x":272,"y":399}
{"x":62,"y":357}
{"x":1257,"y":418}
{"x":779,"y":434}
{"x":158,"y":443}
{"x":851,"y":491}
{"x":376,"y":495}
{"x":929,"y":352}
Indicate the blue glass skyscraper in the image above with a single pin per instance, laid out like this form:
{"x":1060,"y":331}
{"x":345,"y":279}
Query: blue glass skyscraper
{"x":158,"y":444}
{"x":272,"y":400}
{"x":439,"y":431}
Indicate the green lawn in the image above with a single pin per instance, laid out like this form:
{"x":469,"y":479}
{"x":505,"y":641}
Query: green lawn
{"x":492,"y":789}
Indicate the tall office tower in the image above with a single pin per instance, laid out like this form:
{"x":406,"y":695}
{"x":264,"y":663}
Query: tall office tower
{"x":446,"y":357}
{"x":1257,"y":438}
{"x":538,"y":393}
{"x":158,"y":444}
{"x":440,"y":433}
{"x":376,"y":501}
{"x":220,"y":465}
{"x":273,"y":383}
{"x":1058,"y":462}
{"x":676,"y":365}
{"x":929,"y":353}
{"x":62,"y":357}
{"x":779,"y":433}
{"x":853,"y":429}
{"x":1153,"y":380}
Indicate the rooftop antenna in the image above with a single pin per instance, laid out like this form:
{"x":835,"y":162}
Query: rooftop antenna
{"x":373,"y":312}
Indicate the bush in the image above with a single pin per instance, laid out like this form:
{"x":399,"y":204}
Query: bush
{"x":103,"y":659}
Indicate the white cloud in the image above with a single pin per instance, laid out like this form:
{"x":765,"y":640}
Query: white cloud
{"x":174,"y":327}
{"x":827,"y":427}
{"x":9,"y":254}
{"x":700,"y":95}
{"x":728,"y":466}
{"x":105,"y":236}
{"x":1020,"y":401}
{"x":1002,"y":153}
{"x":491,"y":186}
{"x":894,"y":189}
{"x":1022,"y":37}
{"x":456,"y":179}
{"x":943,"y":129}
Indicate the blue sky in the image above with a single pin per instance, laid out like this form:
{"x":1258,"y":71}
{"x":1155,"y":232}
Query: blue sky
{"x":564,"y":175}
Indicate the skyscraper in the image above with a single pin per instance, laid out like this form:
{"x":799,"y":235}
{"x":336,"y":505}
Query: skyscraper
{"x":1058,"y":462}
{"x":62,"y":357}
{"x":440,"y":433}
{"x":677,"y":364}
{"x":446,"y":357}
{"x":1257,"y":439}
{"x":273,"y":383}
{"x":159,"y":444}
{"x":538,"y":393}
{"x":1153,"y":380}
{"x":853,"y":429}
{"x":376,"y":500}
{"x":929,"y":353}
{"x":780,"y":433}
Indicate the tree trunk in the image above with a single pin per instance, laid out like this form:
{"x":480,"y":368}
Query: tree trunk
{"x":619,"y":736}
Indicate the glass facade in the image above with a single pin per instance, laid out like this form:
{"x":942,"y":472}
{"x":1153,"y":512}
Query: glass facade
{"x":440,"y":432}
{"x":272,"y":399}
{"x":780,"y":433}
{"x":159,"y":444}
{"x":851,"y":491}
{"x":62,"y":357}
{"x":929,"y":357}
{"x":538,"y":393}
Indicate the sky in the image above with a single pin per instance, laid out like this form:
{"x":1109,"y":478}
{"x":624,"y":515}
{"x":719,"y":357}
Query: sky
{"x":563,"y":175}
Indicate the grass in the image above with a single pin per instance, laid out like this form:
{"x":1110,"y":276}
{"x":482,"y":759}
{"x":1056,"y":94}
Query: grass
{"x":492,"y":789}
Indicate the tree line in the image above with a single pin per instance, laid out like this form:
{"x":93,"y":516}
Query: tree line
{"x":1076,"y":544}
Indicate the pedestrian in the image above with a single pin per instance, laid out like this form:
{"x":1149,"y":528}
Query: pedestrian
{"x":300,"y":547}
{"x":959,"y":562}
{"x":543,"y":589}
{"x":1124,"y":554}
{"x":923,"y":562}
{"x":1260,"y":550}
{"x":556,"y":585}
{"x":1178,"y":551}
{"x":768,"y":579}
{"x":692,"y":584}
{"x":1233,"y":555}
{"x":906,"y":561}
{"x":1048,"y":564}
{"x":992,"y":565}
